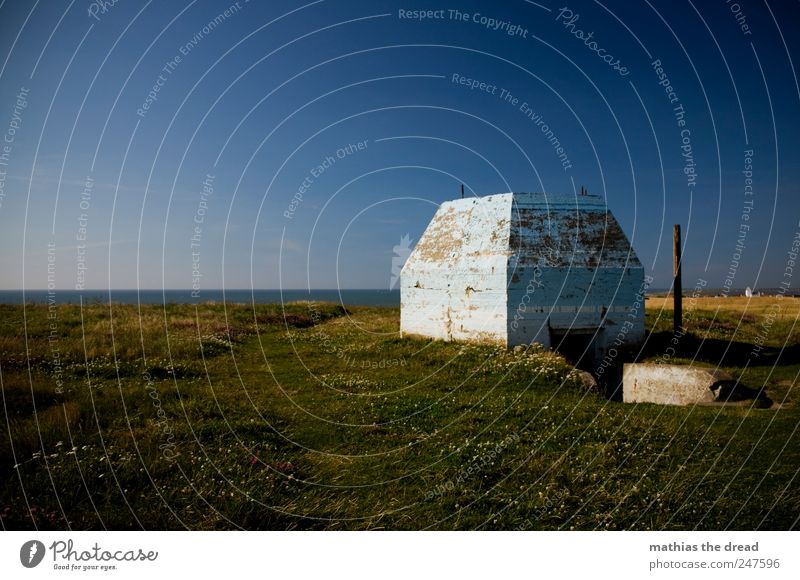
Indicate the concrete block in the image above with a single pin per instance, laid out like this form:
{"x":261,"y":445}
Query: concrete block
{"x":671,"y":384}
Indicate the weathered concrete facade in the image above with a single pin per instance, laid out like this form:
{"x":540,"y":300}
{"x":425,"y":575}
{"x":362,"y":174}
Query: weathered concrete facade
{"x":671,"y":384}
{"x":665,"y":384}
{"x":517,"y":268}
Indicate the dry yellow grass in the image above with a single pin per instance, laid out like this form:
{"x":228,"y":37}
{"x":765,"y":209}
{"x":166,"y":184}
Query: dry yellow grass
{"x":789,"y":307}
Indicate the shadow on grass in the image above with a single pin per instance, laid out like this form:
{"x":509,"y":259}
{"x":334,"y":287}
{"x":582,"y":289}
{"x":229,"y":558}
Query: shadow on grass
{"x":723,"y":353}
{"x":719,"y":352}
{"x":660,"y":347}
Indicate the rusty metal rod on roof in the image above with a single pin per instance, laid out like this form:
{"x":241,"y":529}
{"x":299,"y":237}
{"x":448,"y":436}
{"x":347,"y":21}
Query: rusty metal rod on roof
{"x":677,"y":286}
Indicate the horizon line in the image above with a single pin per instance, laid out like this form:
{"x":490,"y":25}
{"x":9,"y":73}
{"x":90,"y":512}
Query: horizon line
{"x":192,"y":290}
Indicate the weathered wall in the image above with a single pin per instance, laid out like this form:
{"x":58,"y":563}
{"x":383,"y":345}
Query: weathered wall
{"x":571,"y":268}
{"x":453,"y":284}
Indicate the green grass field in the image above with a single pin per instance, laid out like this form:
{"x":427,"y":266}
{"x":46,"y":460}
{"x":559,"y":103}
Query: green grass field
{"x":314,"y":417}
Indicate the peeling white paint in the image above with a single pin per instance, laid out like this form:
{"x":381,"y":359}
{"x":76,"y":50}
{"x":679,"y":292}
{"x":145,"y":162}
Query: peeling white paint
{"x":517,"y":268}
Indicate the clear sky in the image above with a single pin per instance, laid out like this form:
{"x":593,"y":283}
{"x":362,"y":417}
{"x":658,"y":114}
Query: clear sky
{"x":291,"y":144}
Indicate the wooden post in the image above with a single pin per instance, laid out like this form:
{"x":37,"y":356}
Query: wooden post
{"x":462,"y":191}
{"x":677,"y":286}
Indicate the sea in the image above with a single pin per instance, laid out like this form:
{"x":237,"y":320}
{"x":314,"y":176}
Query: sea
{"x":245,"y":296}
{"x":240,"y":296}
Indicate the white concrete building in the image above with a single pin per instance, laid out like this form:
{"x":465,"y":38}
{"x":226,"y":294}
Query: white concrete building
{"x":516,"y":268}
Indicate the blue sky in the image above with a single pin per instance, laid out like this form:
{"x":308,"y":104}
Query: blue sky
{"x":265,"y":93}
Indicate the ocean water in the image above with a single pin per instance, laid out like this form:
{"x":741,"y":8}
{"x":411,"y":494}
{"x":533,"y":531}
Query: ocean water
{"x":244,"y":296}
{"x":346,"y":297}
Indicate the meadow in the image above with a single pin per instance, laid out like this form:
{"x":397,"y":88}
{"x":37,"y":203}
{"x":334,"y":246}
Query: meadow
{"x":315,"y":416}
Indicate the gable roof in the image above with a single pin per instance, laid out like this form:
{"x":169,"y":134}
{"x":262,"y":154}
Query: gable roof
{"x":527,"y":229}
{"x":560,"y":231}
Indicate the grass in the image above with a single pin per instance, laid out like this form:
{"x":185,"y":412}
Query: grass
{"x":313,"y":416}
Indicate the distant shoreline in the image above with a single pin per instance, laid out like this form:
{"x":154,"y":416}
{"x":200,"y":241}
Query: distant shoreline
{"x":721,"y":292}
{"x":390,"y":298}
{"x":350,"y":297}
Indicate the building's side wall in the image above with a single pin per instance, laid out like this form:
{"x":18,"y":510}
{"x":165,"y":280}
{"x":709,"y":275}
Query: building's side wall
{"x":545,"y":300}
{"x":542,"y":298}
{"x":571,"y":272}
{"x":453,"y":286}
